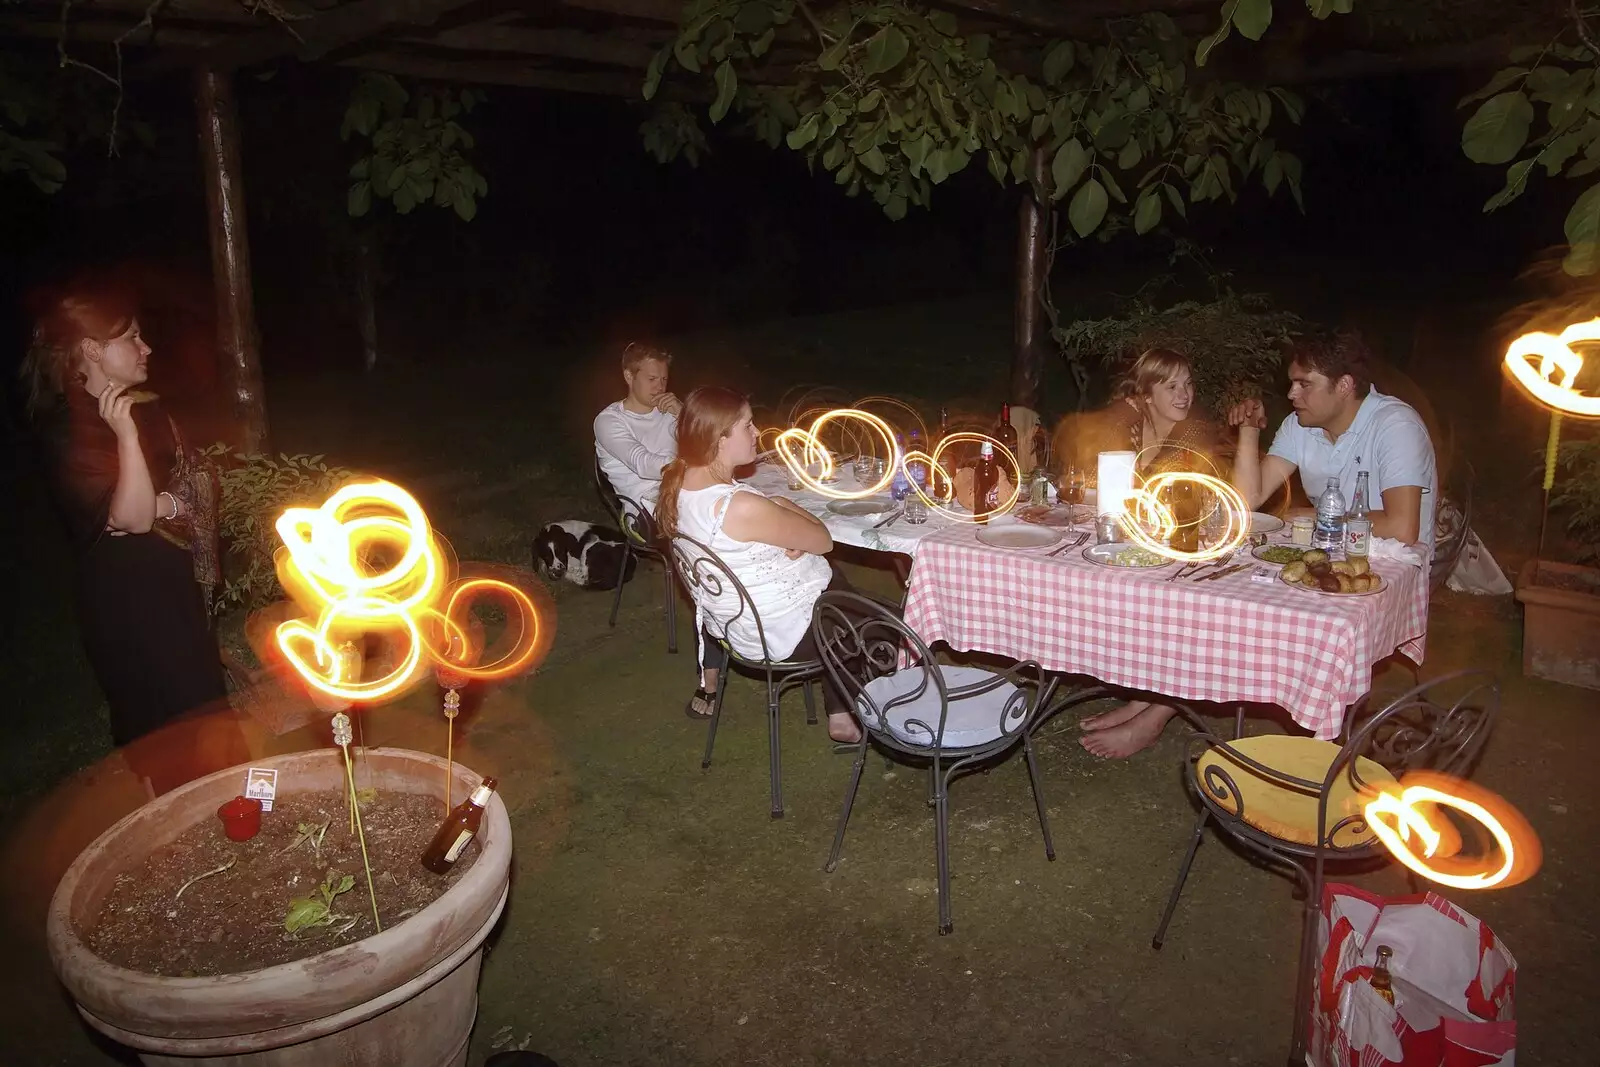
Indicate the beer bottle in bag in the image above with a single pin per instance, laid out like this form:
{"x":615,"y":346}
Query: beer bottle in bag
{"x":458,"y":830}
{"x":1382,"y":980}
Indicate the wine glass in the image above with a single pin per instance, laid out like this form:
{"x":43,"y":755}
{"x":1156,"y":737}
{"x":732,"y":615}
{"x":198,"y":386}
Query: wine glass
{"x":1072,"y":485}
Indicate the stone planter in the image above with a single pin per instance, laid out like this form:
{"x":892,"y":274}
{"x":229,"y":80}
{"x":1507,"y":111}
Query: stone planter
{"x":406,"y":997}
{"x":1561,"y":622}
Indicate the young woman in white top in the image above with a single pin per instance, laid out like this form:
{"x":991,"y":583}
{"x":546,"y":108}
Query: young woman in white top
{"x":773,"y":546}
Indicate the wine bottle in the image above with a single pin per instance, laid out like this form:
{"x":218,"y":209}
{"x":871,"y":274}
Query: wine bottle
{"x":458,"y":830}
{"x":985,"y":482}
{"x":1005,"y":433}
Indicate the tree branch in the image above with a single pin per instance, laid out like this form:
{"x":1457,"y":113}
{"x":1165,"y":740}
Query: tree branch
{"x":1583,"y":30}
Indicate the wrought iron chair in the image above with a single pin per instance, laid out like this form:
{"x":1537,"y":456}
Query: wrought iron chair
{"x":705,"y":575}
{"x":1296,"y":802}
{"x":640,"y":541}
{"x":959,"y":719}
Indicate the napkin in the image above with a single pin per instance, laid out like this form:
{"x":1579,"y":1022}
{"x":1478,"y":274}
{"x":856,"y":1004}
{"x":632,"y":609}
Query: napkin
{"x":1390,"y":548}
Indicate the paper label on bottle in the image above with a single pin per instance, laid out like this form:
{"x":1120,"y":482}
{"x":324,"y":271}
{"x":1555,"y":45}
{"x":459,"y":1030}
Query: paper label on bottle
{"x":453,"y":853}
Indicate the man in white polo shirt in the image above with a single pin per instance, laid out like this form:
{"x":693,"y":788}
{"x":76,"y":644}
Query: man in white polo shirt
{"x":1341,"y":425}
{"x":638,"y":435}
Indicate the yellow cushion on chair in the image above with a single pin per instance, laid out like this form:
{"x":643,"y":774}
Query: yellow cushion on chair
{"x":1285,"y":813}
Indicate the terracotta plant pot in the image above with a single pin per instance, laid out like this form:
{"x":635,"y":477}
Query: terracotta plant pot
{"x":406,"y":997}
{"x":1561,"y":622}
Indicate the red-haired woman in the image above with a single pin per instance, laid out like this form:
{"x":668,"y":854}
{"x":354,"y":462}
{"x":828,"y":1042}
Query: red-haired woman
{"x":773,"y":546}
{"x":139,"y":507}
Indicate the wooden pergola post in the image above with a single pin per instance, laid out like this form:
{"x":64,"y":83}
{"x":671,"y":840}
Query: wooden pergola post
{"x":1033,"y":236}
{"x":238,"y":343}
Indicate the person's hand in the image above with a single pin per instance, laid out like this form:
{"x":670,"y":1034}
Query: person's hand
{"x":116,"y":408}
{"x":1250,"y":413}
{"x":669,"y":403}
{"x":794,"y":553}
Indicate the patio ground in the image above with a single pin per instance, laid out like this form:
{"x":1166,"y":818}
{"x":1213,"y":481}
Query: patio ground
{"x":659,"y":916}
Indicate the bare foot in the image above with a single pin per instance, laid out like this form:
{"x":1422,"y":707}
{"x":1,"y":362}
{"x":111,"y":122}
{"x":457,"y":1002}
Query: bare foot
{"x":1115,"y":717}
{"x":1139,"y":733}
{"x":842,"y":727}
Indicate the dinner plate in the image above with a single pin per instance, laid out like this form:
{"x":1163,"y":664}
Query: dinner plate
{"x":868,"y":506}
{"x":1297,"y":550}
{"x":1018,"y":536}
{"x":1105,"y":554}
{"x":1382,"y":585}
{"x":1055,"y":515}
{"x":1264,"y":524}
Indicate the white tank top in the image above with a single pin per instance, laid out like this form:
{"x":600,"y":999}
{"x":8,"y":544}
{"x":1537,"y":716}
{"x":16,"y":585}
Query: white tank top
{"x":782,"y":589}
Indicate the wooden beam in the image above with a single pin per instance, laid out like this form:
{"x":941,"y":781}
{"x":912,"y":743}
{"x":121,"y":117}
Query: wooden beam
{"x":502,"y":72}
{"x":644,"y":10}
{"x":331,"y":29}
{"x":608,"y":50}
{"x":1067,"y":17}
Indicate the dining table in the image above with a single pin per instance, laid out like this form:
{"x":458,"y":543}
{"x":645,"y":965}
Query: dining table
{"x":1237,"y":638}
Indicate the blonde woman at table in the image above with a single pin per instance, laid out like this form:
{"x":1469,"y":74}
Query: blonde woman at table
{"x":773,"y":546}
{"x":1153,"y":413}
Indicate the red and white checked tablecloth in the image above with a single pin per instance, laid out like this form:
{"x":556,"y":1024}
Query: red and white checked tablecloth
{"x":1228,"y":640}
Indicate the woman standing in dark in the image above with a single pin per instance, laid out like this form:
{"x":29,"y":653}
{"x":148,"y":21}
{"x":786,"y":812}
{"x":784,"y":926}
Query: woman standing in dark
{"x":140,"y":509}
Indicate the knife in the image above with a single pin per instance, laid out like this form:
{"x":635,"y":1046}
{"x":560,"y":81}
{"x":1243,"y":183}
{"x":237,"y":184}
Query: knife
{"x":893,"y":515}
{"x":1222,"y":573}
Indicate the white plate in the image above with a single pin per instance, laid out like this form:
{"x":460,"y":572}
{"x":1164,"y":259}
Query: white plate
{"x":1018,"y":536}
{"x":1264,"y":524}
{"x":868,"y":506}
{"x":1103,"y":555}
{"x":1382,"y":585}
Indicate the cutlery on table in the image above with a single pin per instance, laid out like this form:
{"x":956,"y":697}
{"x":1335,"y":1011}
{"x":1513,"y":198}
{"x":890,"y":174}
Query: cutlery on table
{"x":1224,"y":572}
{"x":893,"y":515}
{"x":1184,"y":571}
{"x":1081,"y":538}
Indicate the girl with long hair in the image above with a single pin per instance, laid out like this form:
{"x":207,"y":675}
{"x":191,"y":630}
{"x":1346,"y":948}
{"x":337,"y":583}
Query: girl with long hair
{"x":773,"y":546}
{"x":139,"y":507}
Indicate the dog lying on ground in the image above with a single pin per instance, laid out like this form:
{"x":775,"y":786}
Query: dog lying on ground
{"x":584,"y":553}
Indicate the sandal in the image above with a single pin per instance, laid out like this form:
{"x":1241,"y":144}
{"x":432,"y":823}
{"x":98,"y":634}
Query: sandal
{"x":705,"y":700}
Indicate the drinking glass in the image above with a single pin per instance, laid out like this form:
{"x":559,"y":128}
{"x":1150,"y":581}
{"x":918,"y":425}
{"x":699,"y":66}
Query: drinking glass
{"x":864,"y":466}
{"x":916,"y":512}
{"x":1072,"y":485}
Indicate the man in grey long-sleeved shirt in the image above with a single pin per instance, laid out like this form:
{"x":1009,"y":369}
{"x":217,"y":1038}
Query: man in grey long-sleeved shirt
{"x":638,"y":435}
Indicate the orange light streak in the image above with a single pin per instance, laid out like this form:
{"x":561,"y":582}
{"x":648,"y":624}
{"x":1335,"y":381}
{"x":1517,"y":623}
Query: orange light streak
{"x":1555,"y":356}
{"x":1404,"y":817}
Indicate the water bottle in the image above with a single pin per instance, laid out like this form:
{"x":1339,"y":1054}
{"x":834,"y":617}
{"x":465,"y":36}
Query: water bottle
{"x":1358,"y":524}
{"x":899,"y":487}
{"x":1328,"y":534}
{"x":918,"y":470}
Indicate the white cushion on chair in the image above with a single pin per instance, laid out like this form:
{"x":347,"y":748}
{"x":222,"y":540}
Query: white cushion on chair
{"x":973,"y":720}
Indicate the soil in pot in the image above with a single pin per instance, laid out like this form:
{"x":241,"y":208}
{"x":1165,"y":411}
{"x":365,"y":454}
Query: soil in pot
{"x":1571,"y":582}
{"x":233,"y":921}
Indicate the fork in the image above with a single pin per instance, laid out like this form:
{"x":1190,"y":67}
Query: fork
{"x":1070,"y":544}
{"x":1184,"y":571}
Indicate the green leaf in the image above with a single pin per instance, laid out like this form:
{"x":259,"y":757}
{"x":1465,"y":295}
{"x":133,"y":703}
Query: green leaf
{"x":1583,"y":167}
{"x":873,"y":160}
{"x":1583,"y":234}
{"x":1058,"y":62}
{"x":1147,"y":212}
{"x":1065,"y":170}
{"x":652,"y":74}
{"x":886,"y":49}
{"x":830,"y":59}
{"x":1111,"y":185}
{"x":1498,"y":129}
{"x":727,"y":84}
{"x":466,"y":205}
{"x":1202,"y":52}
{"x":895,"y":208}
{"x":804,"y":133}
{"x":688,"y":55}
{"x":304,"y":912}
{"x":1139,"y":99}
{"x":1088,"y":208}
{"x":753,"y":18}
{"x":997,"y":166}
{"x":1272,"y":174}
{"x":759,"y":46}
{"x":359,"y":201}
{"x":1516,"y":181}
{"x":1175,"y":198}
{"x":1252,"y":17}
{"x":1130,"y":155}
{"x":870,"y":101}
{"x":1292,"y":104}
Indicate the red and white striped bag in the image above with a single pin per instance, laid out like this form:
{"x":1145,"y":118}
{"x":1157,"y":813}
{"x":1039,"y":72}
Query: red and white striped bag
{"x":1452,"y":980}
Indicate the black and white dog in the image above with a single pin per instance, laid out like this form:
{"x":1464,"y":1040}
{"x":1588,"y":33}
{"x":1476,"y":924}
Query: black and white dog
{"x":583,"y":553}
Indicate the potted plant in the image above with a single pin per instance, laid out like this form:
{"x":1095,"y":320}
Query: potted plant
{"x":1561,"y":601}
{"x":400,"y":997}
